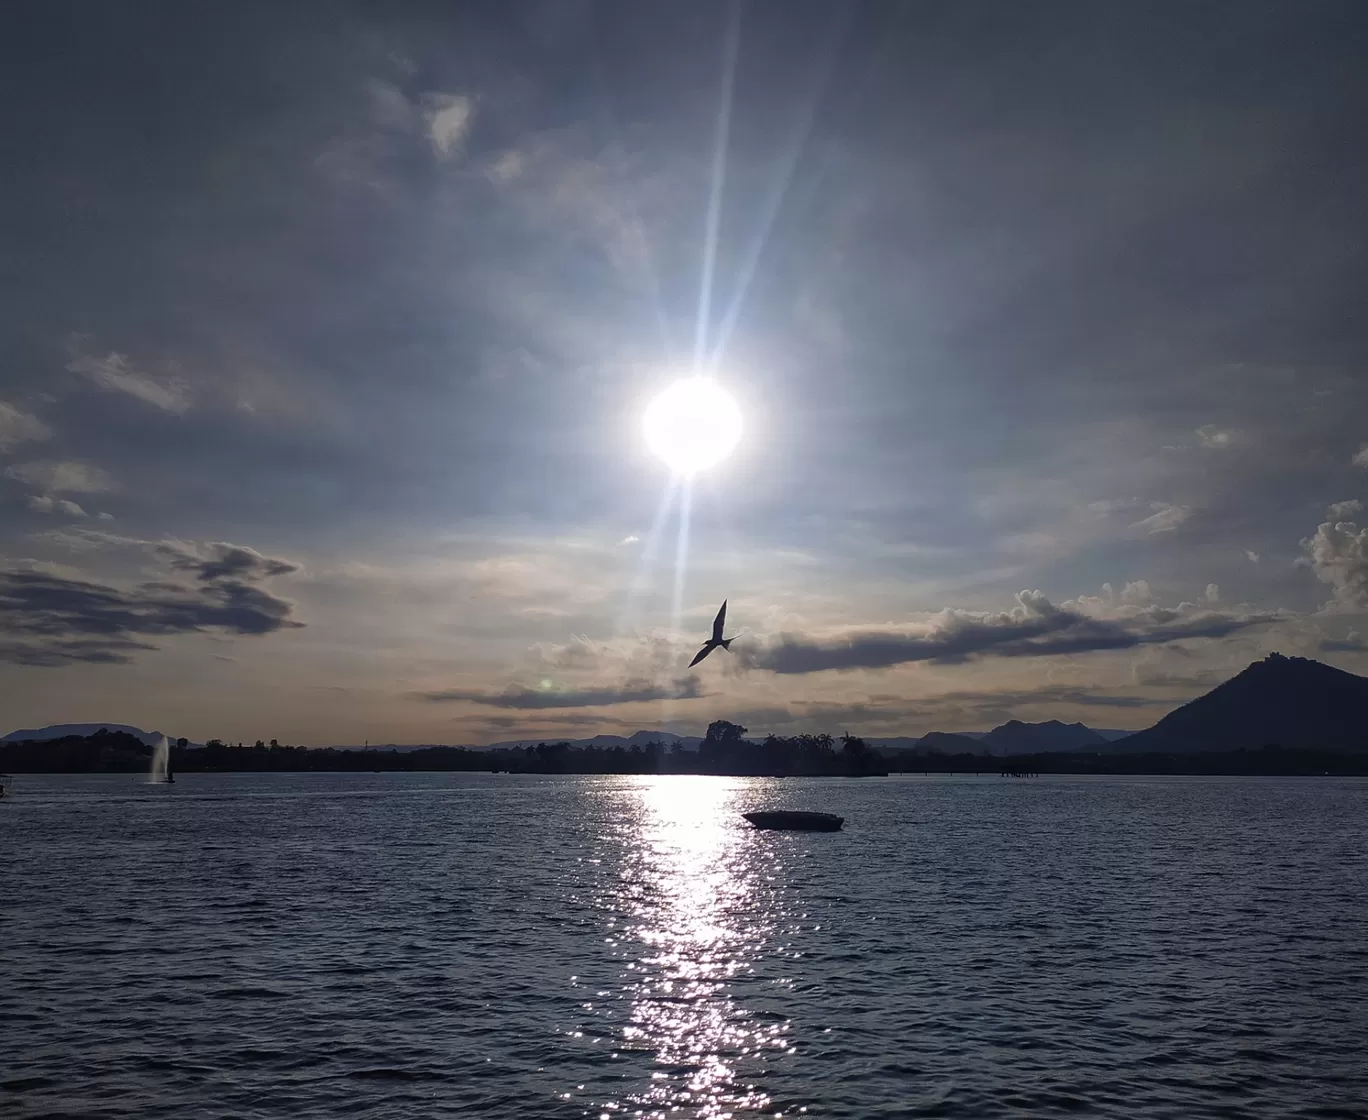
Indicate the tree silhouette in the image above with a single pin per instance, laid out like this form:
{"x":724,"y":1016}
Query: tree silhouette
{"x":723,"y":731}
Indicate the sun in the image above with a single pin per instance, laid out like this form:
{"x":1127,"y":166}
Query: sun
{"x":693,"y":425}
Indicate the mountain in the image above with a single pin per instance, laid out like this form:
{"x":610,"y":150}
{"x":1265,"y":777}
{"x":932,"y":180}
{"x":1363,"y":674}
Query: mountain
{"x":947,"y":743}
{"x":1290,"y":701}
{"x":897,"y":743}
{"x":1015,"y":737}
{"x":61,"y":730}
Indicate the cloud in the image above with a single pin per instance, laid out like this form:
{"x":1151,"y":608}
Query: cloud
{"x":1035,"y":627}
{"x":1218,"y":439}
{"x":1338,"y":554}
{"x":448,"y":118}
{"x":116,"y":374}
{"x":62,"y":477}
{"x":42,"y":503}
{"x":18,"y":427}
{"x":1352,"y":642}
{"x":1361,"y":456}
{"x":1165,"y":518}
{"x":221,"y":560}
{"x":1252,"y":556}
{"x":1213,"y":592}
{"x":79,"y":538}
{"x":523,"y":698}
{"x":50,"y":620}
{"x":1196,"y":680}
{"x":1055,"y":694}
{"x":1343,"y":511}
{"x":1136,"y":593}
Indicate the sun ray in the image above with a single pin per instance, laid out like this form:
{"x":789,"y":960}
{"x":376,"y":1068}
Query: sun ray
{"x":778,"y":192}
{"x":730,"y":49}
{"x":681,"y":555}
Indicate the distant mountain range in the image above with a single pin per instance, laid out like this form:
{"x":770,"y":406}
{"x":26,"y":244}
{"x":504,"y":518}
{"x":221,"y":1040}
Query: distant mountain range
{"x":61,"y":730}
{"x":1288,"y":701}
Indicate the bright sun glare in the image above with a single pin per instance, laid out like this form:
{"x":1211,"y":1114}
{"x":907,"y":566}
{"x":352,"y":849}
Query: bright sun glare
{"x":693,"y":425}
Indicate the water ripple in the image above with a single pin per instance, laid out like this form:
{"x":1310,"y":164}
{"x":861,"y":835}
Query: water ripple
{"x":497,"y":946}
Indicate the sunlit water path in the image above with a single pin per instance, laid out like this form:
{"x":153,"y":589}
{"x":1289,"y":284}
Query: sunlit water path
{"x":494,"y":946}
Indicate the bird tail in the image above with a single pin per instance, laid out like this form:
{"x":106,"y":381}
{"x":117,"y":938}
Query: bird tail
{"x":725,"y":643}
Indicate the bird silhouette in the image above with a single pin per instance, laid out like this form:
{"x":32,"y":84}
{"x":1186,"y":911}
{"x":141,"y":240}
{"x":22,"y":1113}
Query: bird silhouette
{"x":716,"y":639}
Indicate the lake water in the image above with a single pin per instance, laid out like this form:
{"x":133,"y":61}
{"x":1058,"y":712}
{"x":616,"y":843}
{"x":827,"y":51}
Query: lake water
{"x":442,"y":945}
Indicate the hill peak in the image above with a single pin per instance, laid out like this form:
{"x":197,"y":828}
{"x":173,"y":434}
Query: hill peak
{"x":1288,"y":701}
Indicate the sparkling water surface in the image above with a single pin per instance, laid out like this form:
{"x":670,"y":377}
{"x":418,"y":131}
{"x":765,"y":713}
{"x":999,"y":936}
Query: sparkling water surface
{"x":440,"y":945}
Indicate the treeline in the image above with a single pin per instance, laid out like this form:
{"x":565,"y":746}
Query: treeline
{"x":725,"y":750}
{"x":105,"y":751}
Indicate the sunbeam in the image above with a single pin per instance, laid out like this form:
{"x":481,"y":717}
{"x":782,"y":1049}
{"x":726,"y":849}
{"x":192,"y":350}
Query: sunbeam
{"x":778,"y":192}
{"x":681,"y":553}
{"x":718,"y":178}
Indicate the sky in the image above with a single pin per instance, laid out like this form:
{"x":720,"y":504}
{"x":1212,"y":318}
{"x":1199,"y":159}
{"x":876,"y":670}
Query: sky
{"x":327,"y":329}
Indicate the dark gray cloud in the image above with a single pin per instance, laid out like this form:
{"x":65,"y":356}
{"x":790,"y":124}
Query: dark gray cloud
{"x":533,"y":699}
{"x":1353,"y":642}
{"x":51,"y":620}
{"x":224,"y":561}
{"x":1034,"y":628}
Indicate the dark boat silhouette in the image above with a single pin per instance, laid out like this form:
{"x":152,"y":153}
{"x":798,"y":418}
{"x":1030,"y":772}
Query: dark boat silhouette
{"x":795,"y":821}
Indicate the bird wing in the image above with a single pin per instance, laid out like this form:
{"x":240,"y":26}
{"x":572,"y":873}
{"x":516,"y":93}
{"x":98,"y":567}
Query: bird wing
{"x":719,"y":622}
{"x":702,"y":653}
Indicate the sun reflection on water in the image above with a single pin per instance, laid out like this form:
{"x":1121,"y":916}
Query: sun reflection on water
{"x":698,"y":915}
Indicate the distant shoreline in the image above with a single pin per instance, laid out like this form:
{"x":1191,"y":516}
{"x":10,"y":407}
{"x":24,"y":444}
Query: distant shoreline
{"x":118,"y":753}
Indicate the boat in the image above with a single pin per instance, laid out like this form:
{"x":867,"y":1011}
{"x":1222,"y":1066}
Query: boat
{"x":795,"y":821}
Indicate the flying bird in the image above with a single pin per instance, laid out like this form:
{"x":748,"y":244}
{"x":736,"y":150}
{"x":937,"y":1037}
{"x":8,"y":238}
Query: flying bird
{"x":716,"y":639}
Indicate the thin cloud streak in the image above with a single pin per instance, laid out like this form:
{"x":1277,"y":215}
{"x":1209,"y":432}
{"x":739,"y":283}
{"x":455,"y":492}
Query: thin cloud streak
{"x":523,"y":698}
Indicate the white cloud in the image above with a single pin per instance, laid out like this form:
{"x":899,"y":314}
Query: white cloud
{"x":115,"y":373}
{"x":1342,"y":511}
{"x":1136,"y":593}
{"x":1218,"y":439}
{"x":448,"y":119}
{"x":1361,"y":458}
{"x":1165,"y":518}
{"x":631,"y":538}
{"x":1252,"y":556}
{"x":60,"y":477}
{"x":1213,"y":592}
{"x":16,"y":427}
{"x":1338,"y":554}
{"x":43,"y":503}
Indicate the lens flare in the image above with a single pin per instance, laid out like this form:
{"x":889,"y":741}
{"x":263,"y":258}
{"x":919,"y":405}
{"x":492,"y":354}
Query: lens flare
{"x":693,"y":425}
